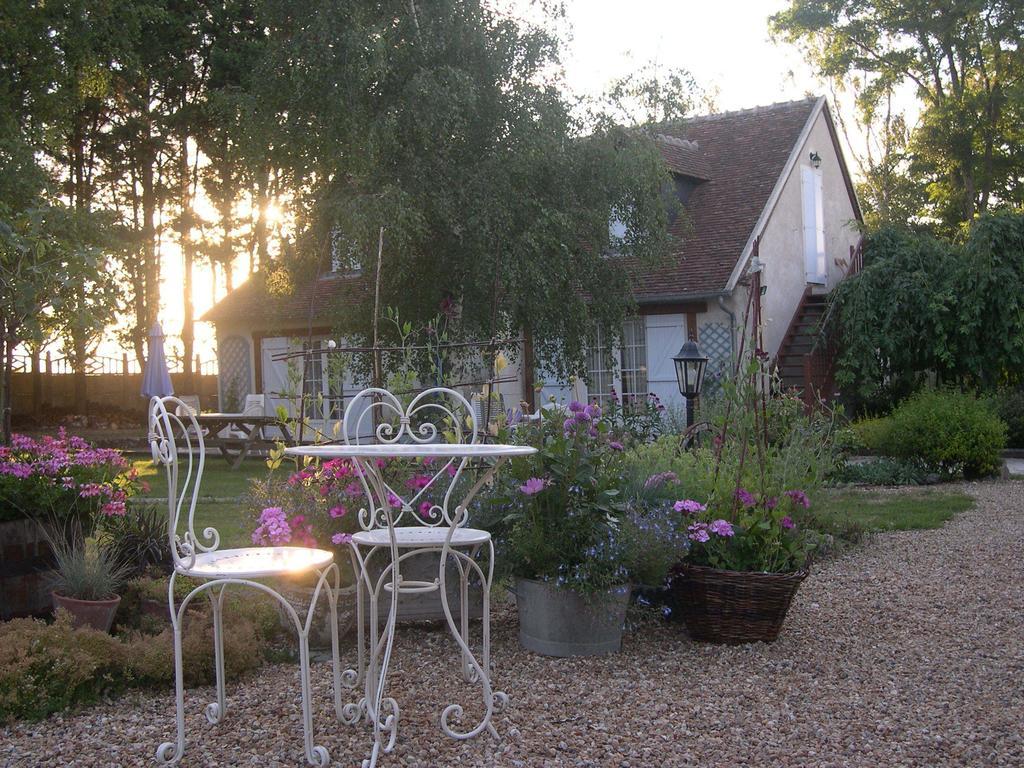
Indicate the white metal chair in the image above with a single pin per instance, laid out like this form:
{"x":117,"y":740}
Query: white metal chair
{"x":173,"y":428}
{"x":255,"y":405}
{"x":375,"y":416}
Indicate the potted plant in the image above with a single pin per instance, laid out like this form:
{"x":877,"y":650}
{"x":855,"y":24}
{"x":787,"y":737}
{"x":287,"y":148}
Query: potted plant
{"x":565,"y":533}
{"x":745,"y":561}
{"x":48,"y":487}
{"x":86,"y":582}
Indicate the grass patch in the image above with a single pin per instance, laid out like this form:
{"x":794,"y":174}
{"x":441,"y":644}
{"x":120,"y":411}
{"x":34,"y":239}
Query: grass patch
{"x":219,"y":482}
{"x":847,"y":511}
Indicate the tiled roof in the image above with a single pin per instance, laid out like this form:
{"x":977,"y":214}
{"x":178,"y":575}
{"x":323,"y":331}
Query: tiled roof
{"x":261,"y":309}
{"x":741,"y":156}
{"x":737,"y":158}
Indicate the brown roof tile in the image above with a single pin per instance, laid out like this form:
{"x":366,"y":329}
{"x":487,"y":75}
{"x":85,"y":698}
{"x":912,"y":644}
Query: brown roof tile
{"x":741,"y":155}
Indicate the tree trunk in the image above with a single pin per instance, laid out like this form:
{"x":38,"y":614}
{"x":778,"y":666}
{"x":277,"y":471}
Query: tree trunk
{"x":188,"y":255}
{"x":79,"y":355}
{"x":6,"y":334}
{"x":260,"y":229}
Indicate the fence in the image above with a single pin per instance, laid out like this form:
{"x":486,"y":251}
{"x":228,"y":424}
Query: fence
{"x":48,"y":383}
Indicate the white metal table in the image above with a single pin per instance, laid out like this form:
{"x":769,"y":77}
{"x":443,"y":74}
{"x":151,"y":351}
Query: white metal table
{"x":445,"y":535}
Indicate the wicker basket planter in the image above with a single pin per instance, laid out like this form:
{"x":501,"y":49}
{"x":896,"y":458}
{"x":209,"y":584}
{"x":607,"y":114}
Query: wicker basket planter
{"x":733,"y":607}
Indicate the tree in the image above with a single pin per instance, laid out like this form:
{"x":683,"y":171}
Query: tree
{"x":442,"y":123}
{"x":965,"y":60}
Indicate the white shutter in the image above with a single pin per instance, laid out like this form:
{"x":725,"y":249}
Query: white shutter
{"x":811,"y":191}
{"x":665,"y":335}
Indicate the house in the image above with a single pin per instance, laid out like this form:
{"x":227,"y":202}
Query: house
{"x":774,"y":175}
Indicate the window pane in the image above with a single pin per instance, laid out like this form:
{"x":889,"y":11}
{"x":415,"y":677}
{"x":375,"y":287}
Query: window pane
{"x":634,"y":357}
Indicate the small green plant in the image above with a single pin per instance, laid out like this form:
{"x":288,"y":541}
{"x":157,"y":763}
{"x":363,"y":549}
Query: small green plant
{"x":884,"y":471}
{"x":139,"y":539}
{"x":86,"y":573}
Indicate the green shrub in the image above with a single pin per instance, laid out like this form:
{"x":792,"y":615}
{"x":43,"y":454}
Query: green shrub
{"x":45,"y":668}
{"x":1010,"y":407}
{"x":952,"y":432}
{"x":872,"y":435}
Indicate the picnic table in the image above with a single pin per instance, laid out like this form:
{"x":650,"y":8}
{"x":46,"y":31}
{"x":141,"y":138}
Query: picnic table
{"x":243,"y":433}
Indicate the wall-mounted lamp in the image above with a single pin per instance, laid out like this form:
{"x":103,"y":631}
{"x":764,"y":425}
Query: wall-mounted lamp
{"x":815,"y":159}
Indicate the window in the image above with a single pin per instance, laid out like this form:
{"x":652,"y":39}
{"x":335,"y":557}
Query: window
{"x":630,"y":358}
{"x":323,"y":384}
{"x":344,"y":254}
{"x":599,"y":375}
{"x":634,"y":357}
{"x":814,"y":224}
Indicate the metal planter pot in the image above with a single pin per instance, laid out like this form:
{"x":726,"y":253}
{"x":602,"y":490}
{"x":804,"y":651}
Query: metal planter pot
{"x":561,"y":622}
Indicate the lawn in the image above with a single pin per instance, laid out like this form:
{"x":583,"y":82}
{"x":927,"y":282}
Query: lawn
{"x":220,"y":493}
{"x":903,"y":509}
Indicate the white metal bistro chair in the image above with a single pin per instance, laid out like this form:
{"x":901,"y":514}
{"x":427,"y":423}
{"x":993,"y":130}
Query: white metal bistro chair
{"x":375,"y":416}
{"x":177,"y":443}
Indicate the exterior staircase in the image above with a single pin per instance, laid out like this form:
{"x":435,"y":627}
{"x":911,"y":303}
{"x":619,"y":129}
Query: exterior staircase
{"x":799,"y":340}
{"x":806,"y":358}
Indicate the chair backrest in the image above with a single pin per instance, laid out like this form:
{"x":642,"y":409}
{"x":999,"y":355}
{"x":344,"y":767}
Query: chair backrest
{"x":376,"y":416}
{"x":189,"y":402}
{"x":173,"y":426}
{"x":255,"y":405}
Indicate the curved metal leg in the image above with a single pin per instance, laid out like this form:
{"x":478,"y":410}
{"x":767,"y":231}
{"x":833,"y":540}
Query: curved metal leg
{"x":170,"y":752}
{"x":216,"y":710}
{"x":494,"y":701}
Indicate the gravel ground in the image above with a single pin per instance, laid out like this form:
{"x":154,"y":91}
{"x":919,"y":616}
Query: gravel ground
{"x":908,"y":651}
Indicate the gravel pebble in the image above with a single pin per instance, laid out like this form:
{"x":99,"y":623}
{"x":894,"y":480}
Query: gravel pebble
{"x":908,"y":651}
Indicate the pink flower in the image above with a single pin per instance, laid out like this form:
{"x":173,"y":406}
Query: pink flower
{"x":688,"y":506}
{"x":273,"y":529}
{"x":533,"y":486}
{"x":660,"y":479}
{"x":419,"y":482}
{"x":393,"y":501}
{"x":425,"y":508}
{"x":338,"y":511}
{"x":721,"y":528}
{"x":341,"y":538}
{"x":787,"y":523}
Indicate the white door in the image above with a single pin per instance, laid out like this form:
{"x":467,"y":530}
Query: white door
{"x":665,"y":335}
{"x":813,"y":224}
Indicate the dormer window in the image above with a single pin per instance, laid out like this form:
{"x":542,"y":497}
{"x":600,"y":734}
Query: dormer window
{"x":344,"y":255}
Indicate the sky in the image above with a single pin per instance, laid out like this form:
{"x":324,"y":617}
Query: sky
{"x":724,"y":43}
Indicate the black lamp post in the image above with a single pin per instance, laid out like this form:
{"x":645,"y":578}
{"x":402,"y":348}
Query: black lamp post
{"x":690,"y":366}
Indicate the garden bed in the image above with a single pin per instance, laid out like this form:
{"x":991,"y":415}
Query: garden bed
{"x":881,"y":662}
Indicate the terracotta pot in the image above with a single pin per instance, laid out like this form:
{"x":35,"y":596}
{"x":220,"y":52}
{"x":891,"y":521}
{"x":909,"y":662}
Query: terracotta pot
{"x":98,"y":614}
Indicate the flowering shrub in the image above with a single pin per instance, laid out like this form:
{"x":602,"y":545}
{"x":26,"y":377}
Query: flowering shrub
{"x":637,"y":419}
{"x":747,"y":533}
{"x":558,"y":515}
{"x":63,"y":476}
{"x":318,"y":506}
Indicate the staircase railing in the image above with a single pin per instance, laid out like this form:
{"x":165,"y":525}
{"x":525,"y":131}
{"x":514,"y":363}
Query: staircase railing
{"x":820,"y":362}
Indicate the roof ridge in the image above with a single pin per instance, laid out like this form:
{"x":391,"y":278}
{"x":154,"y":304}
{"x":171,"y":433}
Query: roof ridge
{"x":747,"y":111}
{"x":676,"y":141}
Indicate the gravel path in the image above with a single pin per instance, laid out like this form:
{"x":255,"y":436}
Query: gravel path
{"x":906,"y":652}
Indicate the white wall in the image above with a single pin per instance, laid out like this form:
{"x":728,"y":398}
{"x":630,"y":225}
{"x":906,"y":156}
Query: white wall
{"x":782,"y":249}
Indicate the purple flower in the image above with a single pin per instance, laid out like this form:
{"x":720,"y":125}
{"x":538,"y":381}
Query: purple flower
{"x":393,"y":501}
{"x":787,"y":523}
{"x":424,"y":510}
{"x":593,"y":411}
{"x":745,"y":498}
{"x":615,"y":445}
{"x":341,"y":538}
{"x":533,"y":486}
{"x":273,"y":528}
{"x":576,"y":406}
{"x":688,"y":506}
{"x":799,"y":497}
{"x":698,"y":532}
{"x":338,"y":511}
{"x":721,"y":528}
{"x":771,"y":502}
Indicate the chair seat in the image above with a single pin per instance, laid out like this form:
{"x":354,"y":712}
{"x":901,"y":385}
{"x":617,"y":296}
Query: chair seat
{"x":255,"y":562}
{"x":416,"y":536}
